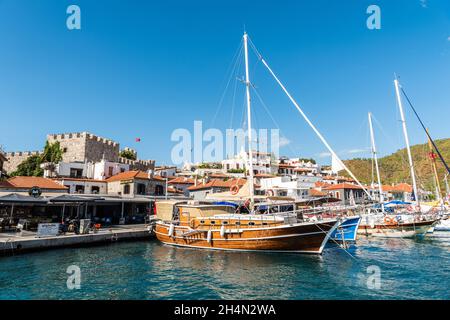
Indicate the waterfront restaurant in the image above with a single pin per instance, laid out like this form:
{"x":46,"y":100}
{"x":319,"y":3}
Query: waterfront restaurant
{"x":35,"y":200}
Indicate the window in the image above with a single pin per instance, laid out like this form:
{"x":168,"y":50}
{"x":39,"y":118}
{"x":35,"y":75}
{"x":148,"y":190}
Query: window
{"x":95,"y":189}
{"x":126,"y":189}
{"x":141,"y":188}
{"x":251,"y":223}
{"x":79,"y":189}
{"x":238,"y":223}
{"x":202,"y":221}
{"x":213,"y":222}
{"x":110,"y":171}
{"x":224,"y":222}
{"x":122,"y":169}
{"x":76,"y":173}
{"x":64,"y":150}
{"x":159,"y":190}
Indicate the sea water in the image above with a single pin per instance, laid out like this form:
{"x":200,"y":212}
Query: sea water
{"x":373,"y":268}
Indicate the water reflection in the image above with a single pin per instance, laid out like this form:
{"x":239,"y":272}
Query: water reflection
{"x":150,"y":270}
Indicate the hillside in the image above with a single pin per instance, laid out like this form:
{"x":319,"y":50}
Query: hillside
{"x":394,"y":168}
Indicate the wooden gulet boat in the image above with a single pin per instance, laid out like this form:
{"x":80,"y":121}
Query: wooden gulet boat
{"x":245,"y":232}
{"x":199,"y":227}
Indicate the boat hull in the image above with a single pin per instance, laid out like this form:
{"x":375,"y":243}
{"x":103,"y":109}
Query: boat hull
{"x":296,"y":238}
{"x":347,"y":229}
{"x":404,"y":230}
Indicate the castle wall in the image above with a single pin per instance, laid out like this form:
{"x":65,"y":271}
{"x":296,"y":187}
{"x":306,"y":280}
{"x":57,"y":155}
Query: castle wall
{"x":15,"y":158}
{"x":85,"y":147}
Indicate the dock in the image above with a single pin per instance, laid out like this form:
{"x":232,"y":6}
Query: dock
{"x":25,"y":241}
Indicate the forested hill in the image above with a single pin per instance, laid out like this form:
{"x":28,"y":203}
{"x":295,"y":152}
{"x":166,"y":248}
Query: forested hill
{"x":394,"y":168}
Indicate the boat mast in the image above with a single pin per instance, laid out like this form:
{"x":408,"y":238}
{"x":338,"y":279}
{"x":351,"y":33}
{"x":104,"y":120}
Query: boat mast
{"x":249,"y":124}
{"x":433,"y":163}
{"x":405,"y":133}
{"x":375,"y":157}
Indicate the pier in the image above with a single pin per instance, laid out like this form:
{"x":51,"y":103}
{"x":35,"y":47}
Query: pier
{"x":26,"y":241}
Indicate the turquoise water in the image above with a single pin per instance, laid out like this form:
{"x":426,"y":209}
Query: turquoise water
{"x":409,"y":269}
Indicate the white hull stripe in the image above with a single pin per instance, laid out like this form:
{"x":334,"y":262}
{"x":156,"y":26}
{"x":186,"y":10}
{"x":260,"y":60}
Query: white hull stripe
{"x":242,"y":250}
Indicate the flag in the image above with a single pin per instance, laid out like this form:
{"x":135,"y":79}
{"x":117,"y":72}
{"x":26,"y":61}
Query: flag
{"x":138,"y":139}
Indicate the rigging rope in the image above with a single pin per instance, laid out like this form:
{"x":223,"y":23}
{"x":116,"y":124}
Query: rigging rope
{"x":425,"y":129}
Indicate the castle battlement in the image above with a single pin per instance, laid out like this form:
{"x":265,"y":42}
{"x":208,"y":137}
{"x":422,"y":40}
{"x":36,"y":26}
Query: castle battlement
{"x":22,"y":153}
{"x":78,"y":135}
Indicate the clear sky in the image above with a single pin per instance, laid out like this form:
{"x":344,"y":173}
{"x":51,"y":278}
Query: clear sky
{"x":145,"y":68}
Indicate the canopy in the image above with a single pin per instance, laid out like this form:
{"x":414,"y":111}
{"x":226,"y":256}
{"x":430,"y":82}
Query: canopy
{"x":396,"y":203}
{"x":70,"y":198}
{"x":18,"y":198}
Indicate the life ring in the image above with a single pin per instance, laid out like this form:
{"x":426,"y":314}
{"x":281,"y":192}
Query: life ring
{"x":234,"y":189}
{"x":389,"y":221}
{"x":270,"y":193}
{"x":409,"y":209}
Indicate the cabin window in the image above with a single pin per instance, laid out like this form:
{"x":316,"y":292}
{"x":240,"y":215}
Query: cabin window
{"x":264,"y":223}
{"x":213,"y":222}
{"x":251,"y":223}
{"x":225,"y":222}
{"x":202,"y":221}
{"x":238,"y":223}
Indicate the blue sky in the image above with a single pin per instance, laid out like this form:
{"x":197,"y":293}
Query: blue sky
{"x":145,"y":68}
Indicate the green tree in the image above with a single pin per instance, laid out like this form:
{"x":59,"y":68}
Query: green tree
{"x":128,"y":154}
{"x":52,"y":153}
{"x":30,"y":167}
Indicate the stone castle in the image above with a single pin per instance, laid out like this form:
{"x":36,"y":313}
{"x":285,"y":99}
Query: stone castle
{"x":81,"y":147}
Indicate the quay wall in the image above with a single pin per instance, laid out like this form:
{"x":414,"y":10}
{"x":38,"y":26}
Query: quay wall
{"x":19,"y":244}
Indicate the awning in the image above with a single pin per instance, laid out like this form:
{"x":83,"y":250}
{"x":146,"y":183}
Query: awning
{"x":18,"y":198}
{"x":70,"y":198}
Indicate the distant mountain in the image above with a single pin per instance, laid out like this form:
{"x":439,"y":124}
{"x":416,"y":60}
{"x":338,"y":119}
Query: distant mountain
{"x":395,"y":168}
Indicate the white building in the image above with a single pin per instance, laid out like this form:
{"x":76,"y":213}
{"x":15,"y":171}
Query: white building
{"x":296,"y":187}
{"x":298,"y":166}
{"x":263,"y":163}
{"x":88,"y":170}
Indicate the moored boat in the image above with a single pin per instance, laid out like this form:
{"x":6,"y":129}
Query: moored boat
{"x":244,"y":232}
{"x":347,"y":229}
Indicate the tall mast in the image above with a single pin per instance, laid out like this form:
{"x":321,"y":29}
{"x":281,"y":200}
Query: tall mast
{"x":249,"y":124}
{"x":405,"y":133}
{"x":433,"y":163}
{"x":375,"y":158}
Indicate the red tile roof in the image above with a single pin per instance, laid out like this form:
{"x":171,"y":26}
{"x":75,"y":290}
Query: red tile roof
{"x":343,"y":186}
{"x":216,"y":183}
{"x":317,"y":193}
{"x":181,"y":180}
{"x":321,"y":184}
{"x":29,"y":182}
{"x":131,"y":175}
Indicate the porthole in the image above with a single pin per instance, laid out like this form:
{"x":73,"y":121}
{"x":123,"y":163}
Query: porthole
{"x":251,"y":223}
{"x":202,"y":221}
{"x":213,"y":222}
{"x":224,"y":222}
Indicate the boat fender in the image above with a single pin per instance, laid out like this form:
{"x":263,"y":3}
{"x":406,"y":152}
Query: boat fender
{"x":209,"y":236}
{"x":171,"y":230}
{"x":222,"y":231}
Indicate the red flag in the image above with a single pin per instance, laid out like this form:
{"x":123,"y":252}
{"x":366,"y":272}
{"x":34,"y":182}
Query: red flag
{"x":138,"y":139}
